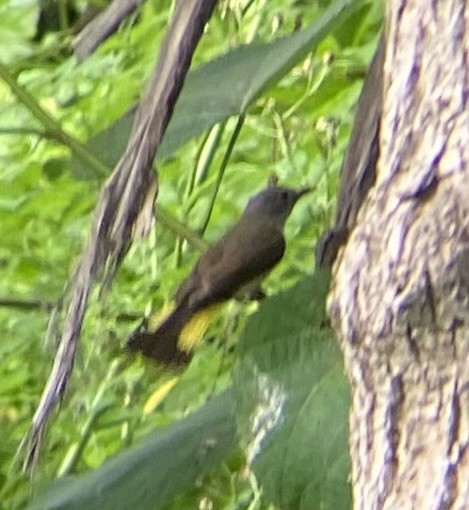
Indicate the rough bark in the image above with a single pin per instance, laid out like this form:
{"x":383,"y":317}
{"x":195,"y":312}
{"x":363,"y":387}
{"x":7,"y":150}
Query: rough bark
{"x":400,"y":294}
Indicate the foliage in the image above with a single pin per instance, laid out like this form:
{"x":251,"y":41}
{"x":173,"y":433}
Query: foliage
{"x":153,"y":472}
{"x":293,"y":400}
{"x":298,"y":128}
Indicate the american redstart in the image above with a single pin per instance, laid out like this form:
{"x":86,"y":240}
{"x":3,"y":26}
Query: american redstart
{"x":233,"y":267}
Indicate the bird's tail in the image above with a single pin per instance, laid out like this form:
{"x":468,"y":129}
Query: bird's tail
{"x":162,"y":344}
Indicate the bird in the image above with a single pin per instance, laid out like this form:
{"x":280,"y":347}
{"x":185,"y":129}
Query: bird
{"x":233,"y":267}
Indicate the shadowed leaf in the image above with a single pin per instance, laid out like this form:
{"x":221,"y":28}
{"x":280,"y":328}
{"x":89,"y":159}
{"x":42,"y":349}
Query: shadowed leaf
{"x":292,"y":401}
{"x":150,"y":474}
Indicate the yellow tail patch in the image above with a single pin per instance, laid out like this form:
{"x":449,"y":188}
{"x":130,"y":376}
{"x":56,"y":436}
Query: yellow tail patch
{"x":195,"y":329}
{"x":155,"y":399}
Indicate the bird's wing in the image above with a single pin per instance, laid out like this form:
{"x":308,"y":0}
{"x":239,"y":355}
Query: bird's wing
{"x":246,"y":252}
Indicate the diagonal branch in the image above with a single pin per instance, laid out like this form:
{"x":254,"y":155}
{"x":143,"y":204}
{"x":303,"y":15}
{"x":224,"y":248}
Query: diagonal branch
{"x":123,"y":199}
{"x":102,"y":26}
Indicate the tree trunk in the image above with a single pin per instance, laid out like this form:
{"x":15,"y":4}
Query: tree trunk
{"x":400,"y":294}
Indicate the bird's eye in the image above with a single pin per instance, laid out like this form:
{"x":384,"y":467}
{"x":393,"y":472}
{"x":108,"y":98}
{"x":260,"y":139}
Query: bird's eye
{"x":284,"y":196}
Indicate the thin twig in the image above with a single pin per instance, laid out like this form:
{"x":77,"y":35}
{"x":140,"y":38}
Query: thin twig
{"x":53,"y":128}
{"x":29,"y":305}
{"x":103,"y":26}
{"x":221,"y":171}
{"x":53,"y":131}
{"x":204,"y":160}
{"x":180,"y":229}
{"x":122,"y":200}
{"x":204,"y":165}
{"x":26,"y":305}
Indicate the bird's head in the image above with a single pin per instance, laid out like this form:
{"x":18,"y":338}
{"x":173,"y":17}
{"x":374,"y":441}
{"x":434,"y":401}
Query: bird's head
{"x":274,"y":204}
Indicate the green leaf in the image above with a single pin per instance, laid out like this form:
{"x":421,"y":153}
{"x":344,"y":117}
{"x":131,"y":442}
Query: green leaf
{"x":53,"y":168}
{"x":18,"y":24}
{"x":222,"y":88}
{"x":149,"y":475}
{"x":292,"y":401}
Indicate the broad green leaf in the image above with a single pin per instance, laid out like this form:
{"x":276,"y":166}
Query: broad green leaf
{"x":222,"y":88}
{"x":149,"y":475}
{"x":292,"y":401}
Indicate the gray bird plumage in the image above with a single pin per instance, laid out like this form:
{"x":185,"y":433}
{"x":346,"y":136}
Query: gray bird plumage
{"x":242,"y":257}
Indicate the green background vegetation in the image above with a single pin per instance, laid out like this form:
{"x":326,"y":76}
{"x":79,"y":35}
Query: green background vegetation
{"x":283,"y":402}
